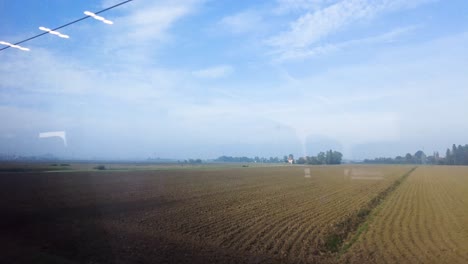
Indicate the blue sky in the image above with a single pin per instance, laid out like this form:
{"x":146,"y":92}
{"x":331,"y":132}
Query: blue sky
{"x":186,"y":79}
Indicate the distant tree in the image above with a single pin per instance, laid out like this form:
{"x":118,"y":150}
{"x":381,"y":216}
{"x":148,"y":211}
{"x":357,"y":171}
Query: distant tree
{"x":321,"y":158}
{"x":419,"y":157}
{"x":436,"y":158}
{"x":408,"y":158}
{"x":465,"y":155}
{"x":399,"y":160}
{"x":328,"y":157}
{"x":336,"y":157}
{"x":301,"y":160}
{"x":456,"y":155}
{"x":313,"y":161}
{"x":431,"y":159}
{"x":448,"y":157}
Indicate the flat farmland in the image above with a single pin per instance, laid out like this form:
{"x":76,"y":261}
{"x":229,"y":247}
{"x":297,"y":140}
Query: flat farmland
{"x":284,"y":214}
{"x":424,"y":221}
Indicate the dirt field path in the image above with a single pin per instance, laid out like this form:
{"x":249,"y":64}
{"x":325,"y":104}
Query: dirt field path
{"x":424,"y":221}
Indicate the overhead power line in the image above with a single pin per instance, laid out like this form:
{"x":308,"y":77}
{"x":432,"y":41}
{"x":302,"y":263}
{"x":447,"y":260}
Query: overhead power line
{"x":13,"y":46}
{"x":54,"y":32}
{"x":88,"y":14}
{"x":100,"y":18}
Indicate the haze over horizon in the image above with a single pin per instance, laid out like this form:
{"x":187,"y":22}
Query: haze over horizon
{"x":201,"y":78}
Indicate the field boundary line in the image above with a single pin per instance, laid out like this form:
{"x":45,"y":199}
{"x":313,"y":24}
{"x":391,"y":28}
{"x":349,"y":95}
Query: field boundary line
{"x":347,"y":232}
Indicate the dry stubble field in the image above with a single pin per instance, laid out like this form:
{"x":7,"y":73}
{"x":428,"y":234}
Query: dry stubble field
{"x":235,"y":215}
{"x":424,"y":221}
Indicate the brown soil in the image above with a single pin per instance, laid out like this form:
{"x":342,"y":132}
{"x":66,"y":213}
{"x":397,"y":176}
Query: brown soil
{"x":243,"y":215}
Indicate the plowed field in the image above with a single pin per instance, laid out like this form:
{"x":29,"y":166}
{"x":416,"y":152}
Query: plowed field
{"x":230,"y":215}
{"x":424,"y":221}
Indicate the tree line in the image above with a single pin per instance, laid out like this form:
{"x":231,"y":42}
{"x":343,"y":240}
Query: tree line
{"x":457,"y":155}
{"x":191,"y":161}
{"x":328,"y":157}
{"x":249,"y":160}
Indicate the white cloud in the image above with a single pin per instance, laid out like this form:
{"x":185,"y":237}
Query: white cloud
{"x":148,"y":20}
{"x":115,"y":66}
{"x":314,"y":26}
{"x":53,"y":73}
{"x":388,"y":37}
{"x":141,"y":27}
{"x":46,"y":73}
{"x":285,"y":6}
{"x":215,"y":72}
{"x":151,"y":21}
{"x":243,"y":22}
